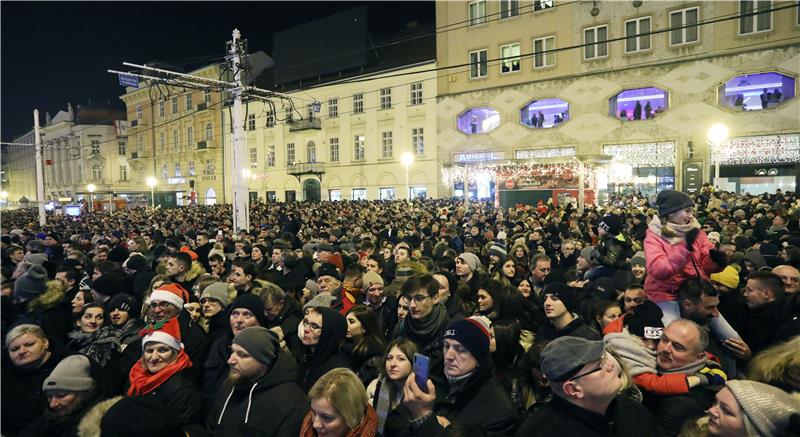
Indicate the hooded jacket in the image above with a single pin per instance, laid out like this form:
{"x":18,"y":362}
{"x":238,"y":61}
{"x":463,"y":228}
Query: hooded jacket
{"x":49,"y":312}
{"x":288,"y":320}
{"x":669,"y":266}
{"x":238,"y":409}
{"x":326,"y":355}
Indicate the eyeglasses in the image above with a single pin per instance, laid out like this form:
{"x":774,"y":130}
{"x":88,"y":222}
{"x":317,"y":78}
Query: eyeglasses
{"x":600,"y":367}
{"x":418,"y":298}
{"x":311,"y":325}
{"x":160,"y":304}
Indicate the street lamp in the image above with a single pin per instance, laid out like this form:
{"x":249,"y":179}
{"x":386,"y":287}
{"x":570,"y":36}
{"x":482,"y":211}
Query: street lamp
{"x":151,"y":182}
{"x":407,"y":159}
{"x":717,"y":134}
{"x":91,"y":188}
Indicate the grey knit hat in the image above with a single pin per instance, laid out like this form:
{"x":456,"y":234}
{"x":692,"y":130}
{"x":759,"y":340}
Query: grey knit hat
{"x":590,"y":254}
{"x":768,"y":408}
{"x":71,"y":374}
{"x":31,"y":283}
{"x":638,"y":258}
{"x":260,"y":343}
{"x":320,"y":300}
{"x":35,"y":258}
{"x":471,"y":260}
{"x":217,"y":291}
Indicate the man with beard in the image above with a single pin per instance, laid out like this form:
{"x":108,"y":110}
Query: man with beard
{"x":261,"y":377}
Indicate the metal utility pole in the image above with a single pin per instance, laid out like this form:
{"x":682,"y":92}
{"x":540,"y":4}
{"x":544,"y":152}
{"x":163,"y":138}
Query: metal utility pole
{"x":240,"y":196}
{"x":39,"y":171}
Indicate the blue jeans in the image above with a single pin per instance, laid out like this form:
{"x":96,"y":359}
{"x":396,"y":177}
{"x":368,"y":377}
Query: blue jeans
{"x":721,"y":329}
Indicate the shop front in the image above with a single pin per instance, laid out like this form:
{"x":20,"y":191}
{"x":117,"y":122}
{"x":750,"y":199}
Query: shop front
{"x":644,"y":168}
{"x":758,"y":164}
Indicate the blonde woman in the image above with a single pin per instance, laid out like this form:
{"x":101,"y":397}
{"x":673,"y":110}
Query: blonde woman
{"x":339,"y":407}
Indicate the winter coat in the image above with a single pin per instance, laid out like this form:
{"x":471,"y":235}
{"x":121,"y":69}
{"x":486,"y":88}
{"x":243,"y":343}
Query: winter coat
{"x":769,"y":324}
{"x":51,"y":425}
{"x":218,"y":326}
{"x":216,"y":367}
{"x":238,"y":409}
{"x":180,"y":395}
{"x":558,"y":417}
{"x":288,"y":320}
{"x":326,"y":355}
{"x":669,"y":266}
{"x":49,"y":311}
{"x":141,"y":282}
{"x":481,"y":402}
{"x":367,"y":362}
{"x":576,"y":328}
{"x":22,"y":395}
{"x":672,"y":411}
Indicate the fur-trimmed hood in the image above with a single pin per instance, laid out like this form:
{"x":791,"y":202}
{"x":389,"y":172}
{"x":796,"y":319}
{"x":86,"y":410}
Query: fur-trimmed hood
{"x":90,"y":423}
{"x":52,"y":297}
{"x":195,"y":271}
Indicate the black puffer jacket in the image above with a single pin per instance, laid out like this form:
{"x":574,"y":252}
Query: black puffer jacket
{"x":216,"y":367}
{"x":22,"y":393}
{"x":288,"y":320}
{"x":51,"y":425}
{"x":481,"y":402}
{"x":326,"y":355}
{"x":277,"y":392}
{"x":179,"y":393}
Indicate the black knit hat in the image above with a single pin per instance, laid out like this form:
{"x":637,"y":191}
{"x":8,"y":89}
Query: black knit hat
{"x":669,"y":201}
{"x":253,"y":303}
{"x":611,"y":223}
{"x":564,"y":293}
{"x":136,"y":262}
{"x":124,"y":302}
{"x":110,"y":284}
{"x":645,"y":321}
{"x":328,"y":269}
{"x":118,"y":254}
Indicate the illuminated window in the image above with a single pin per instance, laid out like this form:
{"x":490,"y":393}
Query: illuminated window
{"x":544,"y":113}
{"x":638,"y":104}
{"x":478,"y":120}
{"x":754,"y":92}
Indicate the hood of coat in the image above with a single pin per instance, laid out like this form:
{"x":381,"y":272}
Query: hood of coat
{"x":195,"y":271}
{"x":334,"y":330}
{"x":52,"y":297}
{"x":90,"y":423}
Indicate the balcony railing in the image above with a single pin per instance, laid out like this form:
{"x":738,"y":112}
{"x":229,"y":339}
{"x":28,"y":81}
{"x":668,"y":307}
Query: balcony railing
{"x":305,"y":124}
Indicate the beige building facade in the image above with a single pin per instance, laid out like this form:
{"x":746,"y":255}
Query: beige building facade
{"x":549,"y":81}
{"x":352,"y":147}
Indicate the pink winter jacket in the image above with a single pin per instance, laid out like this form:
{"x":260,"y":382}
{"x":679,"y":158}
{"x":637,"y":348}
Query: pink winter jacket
{"x":668,"y":266}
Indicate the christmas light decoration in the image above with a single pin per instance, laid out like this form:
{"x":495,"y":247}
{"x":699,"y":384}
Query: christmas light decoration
{"x":768,"y":149}
{"x":554,"y":152}
{"x":643,"y":155}
{"x":567,"y":172}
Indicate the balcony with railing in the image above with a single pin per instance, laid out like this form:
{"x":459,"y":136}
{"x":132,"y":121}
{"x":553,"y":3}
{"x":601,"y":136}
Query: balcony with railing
{"x":305,"y":124}
{"x":298,"y":169}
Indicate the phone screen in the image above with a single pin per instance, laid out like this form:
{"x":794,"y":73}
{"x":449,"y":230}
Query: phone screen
{"x":421,"y":363}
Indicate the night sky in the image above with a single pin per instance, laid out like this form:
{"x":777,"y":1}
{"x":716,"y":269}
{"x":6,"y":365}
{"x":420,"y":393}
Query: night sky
{"x":58,"y":52}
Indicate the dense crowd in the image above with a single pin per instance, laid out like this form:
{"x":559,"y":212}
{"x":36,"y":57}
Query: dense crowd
{"x":673,"y":315}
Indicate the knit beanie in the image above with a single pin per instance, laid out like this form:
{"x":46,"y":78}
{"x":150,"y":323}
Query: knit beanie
{"x":73,"y":373}
{"x":35,"y":246}
{"x":252,"y":302}
{"x":371,"y":278}
{"x":728,"y":277}
{"x":124,"y":302}
{"x":768,"y":408}
{"x":135,"y":262}
{"x":645,"y":321}
{"x":498,"y":249}
{"x":669,"y":201}
{"x":118,"y":254}
{"x":590,"y":254}
{"x":564,"y":293}
{"x":260,"y":343}
{"x":109,"y":284}
{"x":471,"y":260}
{"x":612,"y":224}
{"x":312,"y":286}
{"x":472,"y":335}
{"x":638,"y":259}
{"x":31,"y":283}
{"x":35,"y":258}
{"x":714,"y":237}
{"x":322,"y":300}
{"x":168,"y":333}
{"x":328,"y":269}
{"x":171,"y":293}
{"x":217,"y":291}
{"x":118,"y":235}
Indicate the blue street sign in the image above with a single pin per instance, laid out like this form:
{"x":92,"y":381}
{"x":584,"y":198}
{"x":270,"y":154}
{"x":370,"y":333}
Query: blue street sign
{"x":128,"y":80}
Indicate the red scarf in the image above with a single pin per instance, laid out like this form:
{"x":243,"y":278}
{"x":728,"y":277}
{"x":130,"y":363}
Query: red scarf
{"x":368,"y":427}
{"x":143,"y":382}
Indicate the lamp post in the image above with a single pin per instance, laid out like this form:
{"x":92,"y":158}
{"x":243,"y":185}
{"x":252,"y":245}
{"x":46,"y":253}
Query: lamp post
{"x":717,"y":134}
{"x":151,"y":182}
{"x":407,"y":159}
{"x":91,"y":188}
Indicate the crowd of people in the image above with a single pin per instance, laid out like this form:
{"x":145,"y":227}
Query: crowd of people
{"x":673,"y":315}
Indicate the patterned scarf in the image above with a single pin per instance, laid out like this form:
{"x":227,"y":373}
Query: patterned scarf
{"x":385,"y":402}
{"x":143,"y":382}
{"x":672,"y":232}
{"x":368,"y":427}
{"x":98,"y":345}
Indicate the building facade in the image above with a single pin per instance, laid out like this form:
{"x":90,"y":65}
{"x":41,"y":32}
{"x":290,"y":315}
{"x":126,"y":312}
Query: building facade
{"x":350,"y":145}
{"x":79,"y":147}
{"x":550,"y":82}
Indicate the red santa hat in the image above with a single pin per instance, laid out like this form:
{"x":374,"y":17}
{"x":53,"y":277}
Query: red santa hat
{"x":168,"y":333}
{"x":171,"y":293}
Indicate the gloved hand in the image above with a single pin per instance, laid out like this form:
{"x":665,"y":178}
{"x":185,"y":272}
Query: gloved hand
{"x":690,"y":237}
{"x":718,"y":257}
{"x":712,"y":375}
